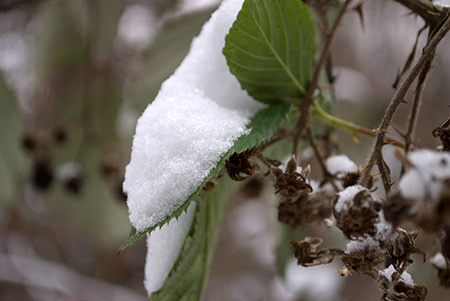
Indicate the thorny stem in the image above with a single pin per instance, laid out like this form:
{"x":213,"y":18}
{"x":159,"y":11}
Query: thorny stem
{"x":304,"y":119}
{"x":409,"y":135}
{"x":320,"y":158}
{"x":350,"y":126}
{"x":398,"y":98}
{"x":424,"y":8}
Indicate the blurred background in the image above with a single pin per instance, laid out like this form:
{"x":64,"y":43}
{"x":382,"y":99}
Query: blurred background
{"x":76,"y":75}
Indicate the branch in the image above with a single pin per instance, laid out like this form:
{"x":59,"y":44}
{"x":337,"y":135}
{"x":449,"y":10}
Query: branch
{"x":431,"y":14}
{"x":426,"y":57}
{"x":303,"y":121}
{"x":350,"y":126}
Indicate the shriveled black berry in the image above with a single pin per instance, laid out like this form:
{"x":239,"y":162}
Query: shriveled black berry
{"x":59,"y":135}
{"x":29,"y":142}
{"x":43,"y":174}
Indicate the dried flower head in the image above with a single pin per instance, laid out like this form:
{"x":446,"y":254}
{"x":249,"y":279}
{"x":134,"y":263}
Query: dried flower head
{"x":359,"y":215}
{"x":238,"y":164}
{"x":401,"y":247}
{"x":364,"y":262}
{"x":305,"y":210}
{"x":308,"y":252}
{"x":290,"y":183}
{"x":399,"y":287}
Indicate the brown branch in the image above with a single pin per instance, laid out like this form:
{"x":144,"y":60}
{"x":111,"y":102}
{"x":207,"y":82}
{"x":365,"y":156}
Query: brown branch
{"x":431,"y":14}
{"x":398,"y":98}
{"x":304,"y":119}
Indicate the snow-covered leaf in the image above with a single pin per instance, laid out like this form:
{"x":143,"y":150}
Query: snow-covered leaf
{"x":270,"y":49}
{"x":262,"y":127}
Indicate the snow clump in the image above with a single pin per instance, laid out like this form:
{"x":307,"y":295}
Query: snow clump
{"x":163,"y":247}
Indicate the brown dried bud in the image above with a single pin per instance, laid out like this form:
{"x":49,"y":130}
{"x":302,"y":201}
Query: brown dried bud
{"x":238,"y":164}
{"x":361,"y":216}
{"x":308,"y":252}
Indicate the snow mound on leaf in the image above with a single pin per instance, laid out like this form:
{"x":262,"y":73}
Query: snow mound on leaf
{"x":196,"y":117}
{"x":163,"y":248}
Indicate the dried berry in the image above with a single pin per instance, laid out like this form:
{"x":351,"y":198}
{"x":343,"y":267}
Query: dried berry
{"x":43,"y":174}
{"x":360,"y":218}
{"x":59,"y":135}
{"x":29,"y":142}
{"x":238,"y":164}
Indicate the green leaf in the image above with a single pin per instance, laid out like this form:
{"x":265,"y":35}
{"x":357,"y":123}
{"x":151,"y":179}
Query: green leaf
{"x":188,"y":276}
{"x":263,"y":126}
{"x":270,"y":49}
{"x":13,"y":163}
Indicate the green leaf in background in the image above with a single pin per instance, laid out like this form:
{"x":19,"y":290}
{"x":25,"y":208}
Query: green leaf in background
{"x":270,"y":49}
{"x":263,"y":126}
{"x":12,"y":158}
{"x":187,"y":278}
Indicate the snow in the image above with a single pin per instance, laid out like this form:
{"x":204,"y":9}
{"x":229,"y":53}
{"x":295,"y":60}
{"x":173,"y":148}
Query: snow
{"x":425,"y":178}
{"x":385,"y":231}
{"x":137,"y":26}
{"x":346,"y":197}
{"x":319,"y":283}
{"x":405,"y":278}
{"x":340,"y":165}
{"x":439,"y":261}
{"x":360,"y":244}
{"x":197,"y":115}
{"x":442,"y":3}
{"x":163,"y":248}
{"x":411,"y":185}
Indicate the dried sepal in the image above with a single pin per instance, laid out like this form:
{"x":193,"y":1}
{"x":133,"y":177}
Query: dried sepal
{"x":308,"y":252}
{"x":290,"y":183}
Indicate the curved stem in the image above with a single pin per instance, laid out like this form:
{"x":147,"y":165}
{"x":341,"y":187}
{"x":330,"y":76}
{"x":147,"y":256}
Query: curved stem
{"x":350,"y":126}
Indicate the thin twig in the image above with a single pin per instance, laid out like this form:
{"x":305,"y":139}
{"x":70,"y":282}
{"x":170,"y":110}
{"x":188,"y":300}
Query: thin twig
{"x":303,"y":121}
{"x":409,"y":135}
{"x":399,"y":96}
{"x":320,"y":158}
